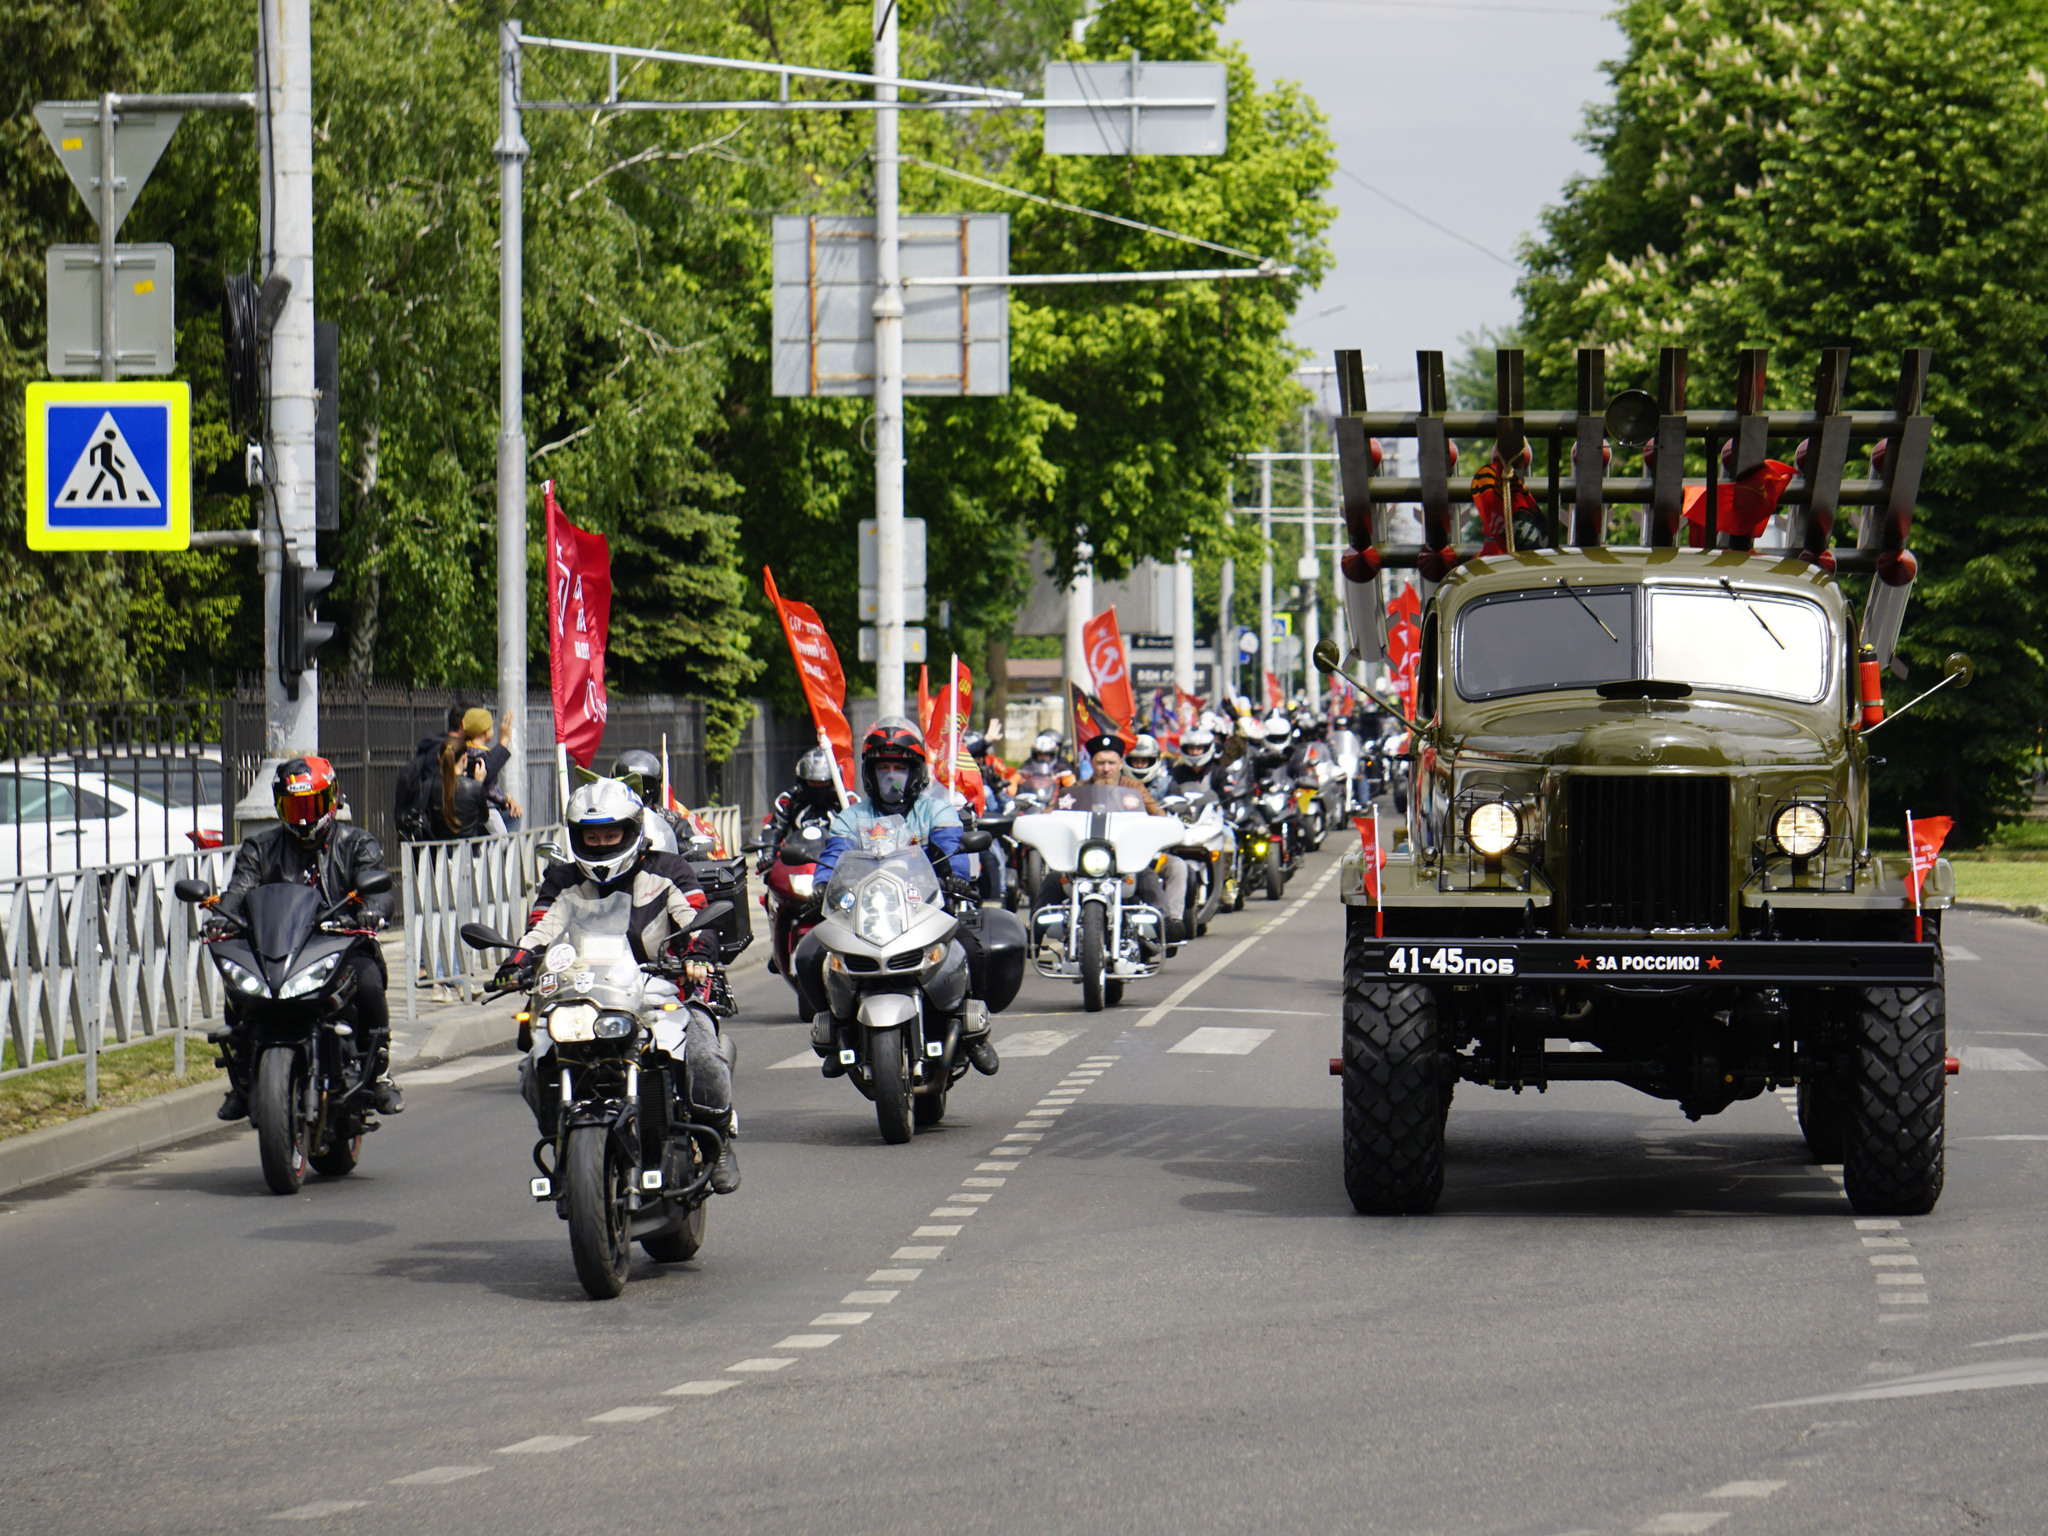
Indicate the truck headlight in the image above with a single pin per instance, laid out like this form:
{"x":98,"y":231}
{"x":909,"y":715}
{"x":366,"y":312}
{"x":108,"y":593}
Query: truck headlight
{"x":1800,"y":830}
{"x":1097,"y":860}
{"x":1493,"y":827}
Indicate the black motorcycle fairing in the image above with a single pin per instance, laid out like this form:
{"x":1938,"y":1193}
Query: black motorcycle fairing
{"x":280,"y":917}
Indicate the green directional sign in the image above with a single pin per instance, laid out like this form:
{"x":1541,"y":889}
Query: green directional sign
{"x":73,"y":129}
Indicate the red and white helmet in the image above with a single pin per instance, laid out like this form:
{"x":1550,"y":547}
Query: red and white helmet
{"x":307,"y":798}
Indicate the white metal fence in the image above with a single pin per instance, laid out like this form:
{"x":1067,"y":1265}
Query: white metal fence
{"x":103,"y":959}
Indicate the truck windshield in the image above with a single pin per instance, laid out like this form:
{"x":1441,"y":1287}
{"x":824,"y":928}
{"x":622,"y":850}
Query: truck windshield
{"x":1738,"y":640}
{"x":1546,"y":638}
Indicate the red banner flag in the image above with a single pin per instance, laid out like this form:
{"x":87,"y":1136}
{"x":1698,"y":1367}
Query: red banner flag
{"x":1092,"y":719}
{"x":1925,"y":838}
{"x":945,"y":724}
{"x":1404,"y":645}
{"x":1274,"y":697}
{"x":817,"y":668}
{"x":1111,"y":669}
{"x":579,"y":622}
{"x":924,"y":698}
{"x":1375,"y":863}
{"x":1742,"y":507}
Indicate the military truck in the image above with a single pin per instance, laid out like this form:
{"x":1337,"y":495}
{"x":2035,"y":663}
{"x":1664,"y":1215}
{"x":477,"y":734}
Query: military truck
{"x":1639,"y":836}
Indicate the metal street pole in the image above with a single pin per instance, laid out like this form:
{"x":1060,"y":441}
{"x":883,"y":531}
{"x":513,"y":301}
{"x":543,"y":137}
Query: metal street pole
{"x":1312,"y":612}
{"x":1183,"y":624}
{"x":1259,"y":695}
{"x":110,"y":355}
{"x":1080,"y":609}
{"x":291,"y":726}
{"x":888,"y":313}
{"x":1340,"y":625}
{"x":511,"y":154}
{"x":1226,"y":633}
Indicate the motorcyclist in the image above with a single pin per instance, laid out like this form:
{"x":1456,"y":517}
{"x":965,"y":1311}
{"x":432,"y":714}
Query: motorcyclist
{"x":1197,"y":763}
{"x":998,"y":776}
{"x":811,"y":798}
{"x":1145,"y":765}
{"x":309,"y":846}
{"x":1166,"y":888}
{"x":608,"y":846}
{"x":895,"y":781}
{"x":1047,"y":759}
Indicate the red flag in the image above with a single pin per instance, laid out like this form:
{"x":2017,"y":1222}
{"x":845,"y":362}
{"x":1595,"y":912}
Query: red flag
{"x":1925,"y":838}
{"x":1274,"y":697}
{"x":1404,"y":645}
{"x":1092,"y":719}
{"x":1741,"y":507}
{"x":579,"y":622}
{"x":817,"y":668}
{"x":1112,"y":672}
{"x":924,"y":699}
{"x":1375,"y":863}
{"x":945,"y":721}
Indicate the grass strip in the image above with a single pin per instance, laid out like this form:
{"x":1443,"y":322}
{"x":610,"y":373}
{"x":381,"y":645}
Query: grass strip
{"x":127,"y":1076}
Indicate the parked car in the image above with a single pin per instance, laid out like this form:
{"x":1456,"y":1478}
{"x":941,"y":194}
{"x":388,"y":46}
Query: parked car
{"x":59,"y":814}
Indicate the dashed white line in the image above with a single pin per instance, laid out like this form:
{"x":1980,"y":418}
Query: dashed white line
{"x":542,"y":1445}
{"x":762,"y":1365}
{"x":320,"y":1510}
{"x":840,"y":1319}
{"x":984,"y":1183}
{"x":1757,"y":1488}
{"x":868,"y":1298}
{"x":700,"y":1389}
{"x":1999,"y":1058}
{"x":995,"y":1167}
{"x":936,"y":1232}
{"x":633,"y":1415}
{"x":893,"y":1276}
{"x":435,"y":1476}
{"x":455,"y":1072}
{"x":789,"y":1063}
{"x":806,"y":1341}
{"x":1035,"y":1042}
{"x":917,"y":1253}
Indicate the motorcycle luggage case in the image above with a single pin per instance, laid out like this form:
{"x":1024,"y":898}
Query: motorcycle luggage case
{"x":726,"y":880}
{"x":996,"y":961}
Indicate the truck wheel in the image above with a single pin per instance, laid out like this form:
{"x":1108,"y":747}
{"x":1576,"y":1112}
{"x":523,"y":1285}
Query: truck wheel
{"x":1823,"y":1114}
{"x":1892,"y":1147}
{"x":1393,"y":1101}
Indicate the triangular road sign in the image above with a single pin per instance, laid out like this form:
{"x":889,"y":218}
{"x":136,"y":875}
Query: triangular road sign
{"x":73,"y":129}
{"x":107,"y":473}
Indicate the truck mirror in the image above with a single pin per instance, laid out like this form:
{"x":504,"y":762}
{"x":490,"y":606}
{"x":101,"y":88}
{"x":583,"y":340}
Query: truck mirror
{"x":1959,"y":669}
{"x":1631,"y":417}
{"x":1326,"y":657}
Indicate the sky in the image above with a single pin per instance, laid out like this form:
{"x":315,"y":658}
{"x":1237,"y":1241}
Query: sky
{"x":1464,"y":110}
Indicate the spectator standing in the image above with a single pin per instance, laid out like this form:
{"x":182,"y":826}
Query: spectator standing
{"x":504,"y":812}
{"x":416,"y":810}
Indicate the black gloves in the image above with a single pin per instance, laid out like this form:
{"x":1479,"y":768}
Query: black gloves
{"x":516,"y":972}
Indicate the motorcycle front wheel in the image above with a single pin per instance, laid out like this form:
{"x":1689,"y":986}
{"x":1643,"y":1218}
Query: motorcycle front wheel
{"x":1094,"y":966}
{"x":1276,"y":872}
{"x":889,"y":1060}
{"x":343,"y":1151}
{"x":679,"y":1246}
{"x":599,"y":1223}
{"x":281,"y":1120}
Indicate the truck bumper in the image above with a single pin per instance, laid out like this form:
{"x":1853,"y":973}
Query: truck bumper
{"x":1713,"y":962}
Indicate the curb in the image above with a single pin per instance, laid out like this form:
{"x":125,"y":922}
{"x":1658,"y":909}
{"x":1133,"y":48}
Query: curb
{"x":2003,"y":908}
{"x":186,"y":1114}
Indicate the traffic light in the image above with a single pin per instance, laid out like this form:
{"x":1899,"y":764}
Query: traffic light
{"x":299,"y":634}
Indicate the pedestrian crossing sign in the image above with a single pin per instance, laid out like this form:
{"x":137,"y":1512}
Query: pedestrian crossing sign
{"x":109,"y":466}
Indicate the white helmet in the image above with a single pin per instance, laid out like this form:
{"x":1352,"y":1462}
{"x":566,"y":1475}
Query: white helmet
{"x":1197,"y":746}
{"x":1047,"y":744}
{"x":1278,"y":732}
{"x":607,"y":830}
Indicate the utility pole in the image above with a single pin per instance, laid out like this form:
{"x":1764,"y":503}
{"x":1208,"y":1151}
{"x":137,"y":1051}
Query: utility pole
{"x":888,"y":380}
{"x":511,"y":153}
{"x":1312,"y":608}
{"x":1260,"y":700}
{"x":291,"y":726}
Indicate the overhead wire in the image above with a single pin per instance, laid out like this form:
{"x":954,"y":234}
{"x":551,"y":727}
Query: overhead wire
{"x":1417,"y":213}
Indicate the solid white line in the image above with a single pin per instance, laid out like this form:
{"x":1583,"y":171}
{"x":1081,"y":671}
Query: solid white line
{"x":699,"y":1388}
{"x":542,"y":1445}
{"x":772,"y":1363}
{"x":1189,"y":989}
{"x":628,"y":1415}
{"x":2011,"y":1338}
{"x":806,"y":1341}
{"x":434,"y":1476}
{"x":456,"y":1071}
{"x":1969,"y":1378}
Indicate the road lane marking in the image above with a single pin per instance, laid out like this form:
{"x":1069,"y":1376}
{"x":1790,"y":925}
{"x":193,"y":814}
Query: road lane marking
{"x":1213,"y":1040}
{"x":435,"y":1476}
{"x":1683,"y":1522}
{"x":945,"y":1211}
{"x":1291,"y":1013}
{"x":542,"y":1445}
{"x":806,"y":1341}
{"x":700,"y":1389}
{"x":1984,"y":1376}
{"x":974,"y":1199}
{"x":899,"y":1276}
{"x":1957,"y":952}
{"x":790,"y":1063}
{"x":1748,"y":1488}
{"x":2011,"y":1338}
{"x":984,"y":1183}
{"x":320,"y":1510}
{"x":634,"y":1415}
{"x":455,"y":1072}
{"x":936,"y":1232}
{"x":1900,"y":1279}
{"x":869,"y":1298}
{"x":761,"y":1365}
{"x":918,"y":1253}
{"x":995,"y":1167}
{"x":2002,"y":1138}
{"x":1023,"y":1136}
{"x":1035,"y":1042}
{"x":1188,"y":989}
{"x":1899,"y":1260}
{"x":840,"y":1319}
{"x":1999,"y":1058}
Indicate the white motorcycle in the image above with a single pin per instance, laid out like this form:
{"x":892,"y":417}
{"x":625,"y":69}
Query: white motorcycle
{"x":1098,"y":839}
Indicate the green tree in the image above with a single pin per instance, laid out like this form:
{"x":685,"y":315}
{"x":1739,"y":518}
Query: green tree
{"x":1875,"y":177}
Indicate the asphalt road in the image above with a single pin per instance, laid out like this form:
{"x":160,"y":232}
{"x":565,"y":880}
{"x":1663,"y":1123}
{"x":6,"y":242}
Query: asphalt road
{"x":1158,"y":1315}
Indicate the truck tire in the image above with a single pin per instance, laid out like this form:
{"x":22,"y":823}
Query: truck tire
{"x":1892,"y":1162}
{"x":1393,"y":1099}
{"x":1823,"y":1113}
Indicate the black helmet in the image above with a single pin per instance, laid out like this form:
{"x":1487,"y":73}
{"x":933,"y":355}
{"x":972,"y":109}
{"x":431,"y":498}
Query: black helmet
{"x":976,"y":745}
{"x":893,"y":742}
{"x":638,"y":767}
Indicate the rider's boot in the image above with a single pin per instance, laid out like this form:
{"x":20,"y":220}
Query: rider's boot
{"x":725,"y":1173}
{"x":236,"y":1105}
{"x":980,"y":1049}
{"x":389,"y":1100}
{"x":823,"y":1042}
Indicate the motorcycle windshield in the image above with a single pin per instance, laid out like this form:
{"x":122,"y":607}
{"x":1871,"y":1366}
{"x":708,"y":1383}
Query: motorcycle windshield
{"x":280,"y":916}
{"x":593,"y":959}
{"x":1093,"y":797}
{"x":882,"y":894}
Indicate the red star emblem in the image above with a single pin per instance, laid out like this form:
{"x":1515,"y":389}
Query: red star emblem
{"x":1582,"y":962}
{"x":1713,"y":962}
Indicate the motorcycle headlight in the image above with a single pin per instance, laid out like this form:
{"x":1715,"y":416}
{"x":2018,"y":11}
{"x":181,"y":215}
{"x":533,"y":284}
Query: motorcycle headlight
{"x":1493,"y":827}
{"x":313,"y":978}
{"x":572,"y":1022}
{"x":613,"y":1025}
{"x":242,"y":979}
{"x":1097,"y":860}
{"x":1800,"y":830}
{"x":879,"y":910}
{"x":801,"y":885}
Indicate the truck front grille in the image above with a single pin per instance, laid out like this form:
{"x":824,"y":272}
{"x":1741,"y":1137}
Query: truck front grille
{"x":1648,"y":852}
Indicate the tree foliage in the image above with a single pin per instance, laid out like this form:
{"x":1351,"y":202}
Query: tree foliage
{"x":1803,"y":175}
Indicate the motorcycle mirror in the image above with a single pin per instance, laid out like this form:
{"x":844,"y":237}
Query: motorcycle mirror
{"x":554,"y":851}
{"x":376,"y":883}
{"x":191,"y":890}
{"x":483,"y":936}
{"x":717,"y":911}
{"x":1326,"y":657}
{"x":977,"y":841}
{"x":789,"y":855}
{"x":752,"y":847}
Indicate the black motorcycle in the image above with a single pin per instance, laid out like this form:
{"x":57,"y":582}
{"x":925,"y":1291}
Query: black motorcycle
{"x":312,"y":1085}
{"x":620,"y":1157}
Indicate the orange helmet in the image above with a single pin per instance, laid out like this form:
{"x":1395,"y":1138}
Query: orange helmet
{"x":306,"y":797}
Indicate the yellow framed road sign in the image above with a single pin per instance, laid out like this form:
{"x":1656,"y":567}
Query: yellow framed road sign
{"x":110,"y":466}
